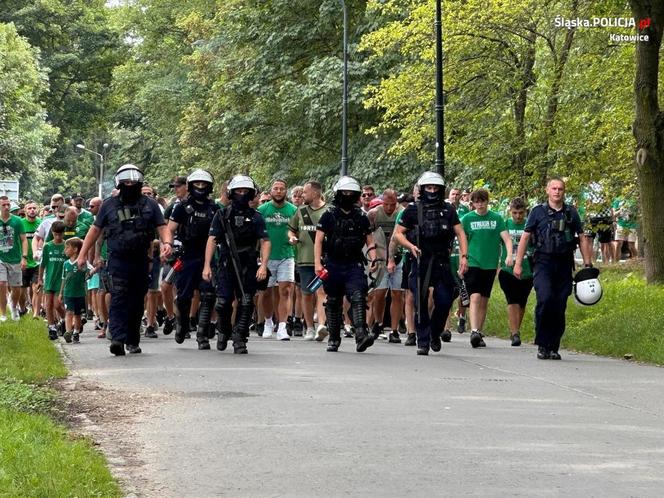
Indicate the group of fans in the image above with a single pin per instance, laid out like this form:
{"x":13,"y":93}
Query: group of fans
{"x":366,"y":266}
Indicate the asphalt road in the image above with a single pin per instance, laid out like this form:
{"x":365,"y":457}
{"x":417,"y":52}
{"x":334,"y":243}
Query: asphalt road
{"x":290,"y":419}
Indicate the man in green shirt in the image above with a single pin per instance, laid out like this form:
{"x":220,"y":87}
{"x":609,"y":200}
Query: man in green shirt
{"x":484,"y":230}
{"x":516,"y":290}
{"x":13,"y":258}
{"x":30,"y":289}
{"x":624,"y":212}
{"x":277,"y":214}
{"x":302,"y":233}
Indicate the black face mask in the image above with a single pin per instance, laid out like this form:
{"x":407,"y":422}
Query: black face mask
{"x":200,"y":194}
{"x":347,"y":202}
{"x":431,"y":197}
{"x":241,"y":201}
{"x":130,"y":193}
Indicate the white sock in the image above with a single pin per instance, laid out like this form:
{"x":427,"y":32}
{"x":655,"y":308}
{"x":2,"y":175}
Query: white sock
{"x":268,"y":322}
{"x":282,"y":327}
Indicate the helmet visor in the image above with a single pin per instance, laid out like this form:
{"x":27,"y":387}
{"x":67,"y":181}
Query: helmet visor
{"x":129,"y":175}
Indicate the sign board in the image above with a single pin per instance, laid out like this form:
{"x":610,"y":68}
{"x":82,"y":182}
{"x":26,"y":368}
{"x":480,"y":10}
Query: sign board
{"x":10,"y":189}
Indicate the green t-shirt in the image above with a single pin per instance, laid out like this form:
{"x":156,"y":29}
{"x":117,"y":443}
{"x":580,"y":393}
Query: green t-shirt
{"x":462,"y":210}
{"x":85,"y":217}
{"x":30,"y":227}
{"x":74,"y":280}
{"x":626,"y":213}
{"x":516,"y":231}
{"x":483,"y":233}
{"x":53,"y":257}
{"x":276,"y":225}
{"x":80,"y":230}
{"x":305,"y":249}
{"x":10,"y":240}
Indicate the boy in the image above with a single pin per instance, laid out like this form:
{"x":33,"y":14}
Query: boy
{"x":53,"y":257}
{"x":73,"y":289}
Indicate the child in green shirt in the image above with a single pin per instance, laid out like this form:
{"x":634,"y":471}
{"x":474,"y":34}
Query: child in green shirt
{"x":73,"y":289}
{"x":50,"y":277}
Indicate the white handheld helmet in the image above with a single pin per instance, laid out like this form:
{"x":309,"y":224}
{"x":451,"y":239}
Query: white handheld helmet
{"x":200,"y":175}
{"x":587,"y":287}
{"x":347,"y":183}
{"x":128,"y":172}
{"x":430,"y":178}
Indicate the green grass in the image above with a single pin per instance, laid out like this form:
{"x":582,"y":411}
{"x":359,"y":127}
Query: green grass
{"x":37,"y":455}
{"x":627,"y":321}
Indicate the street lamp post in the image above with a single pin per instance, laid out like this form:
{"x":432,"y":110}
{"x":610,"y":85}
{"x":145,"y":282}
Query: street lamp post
{"x":344,"y":112}
{"x":440,"y":106}
{"x":101,"y":165}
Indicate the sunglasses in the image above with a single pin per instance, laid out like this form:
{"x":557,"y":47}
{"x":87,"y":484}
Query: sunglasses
{"x":368,"y":195}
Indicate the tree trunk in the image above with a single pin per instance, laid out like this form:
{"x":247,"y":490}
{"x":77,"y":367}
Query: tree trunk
{"x":648,"y":131}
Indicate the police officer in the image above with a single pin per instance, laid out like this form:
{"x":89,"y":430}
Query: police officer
{"x":190,"y":221}
{"x":237,"y":230}
{"x":427,"y":230}
{"x":341,"y":233}
{"x":554,"y":227}
{"x":129,"y":221}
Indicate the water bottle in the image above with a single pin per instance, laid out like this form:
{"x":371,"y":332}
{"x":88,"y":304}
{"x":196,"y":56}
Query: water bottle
{"x":317,"y":281}
{"x":463,"y":293}
{"x":177,"y":266}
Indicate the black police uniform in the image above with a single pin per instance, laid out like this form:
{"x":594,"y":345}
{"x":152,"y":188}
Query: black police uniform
{"x":345,"y":236}
{"x":194,"y":219}
{"x":436,"y":235}
{"x":554,"y":235}
{"x":130,"y":229}
{"x":248,"y":229}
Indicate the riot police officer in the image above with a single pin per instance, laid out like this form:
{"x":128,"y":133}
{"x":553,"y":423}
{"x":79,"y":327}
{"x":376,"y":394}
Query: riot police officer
{"x":190,"y":221}
{"x":237,"y":230}
{"x":427,"y":230}
{"x":554,"y":227}
{"x":129,"y":221}
{"x":341,"y":233}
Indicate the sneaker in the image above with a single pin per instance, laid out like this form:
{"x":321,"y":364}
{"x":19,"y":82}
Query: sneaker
{"x":349,"y":331}
{"x":309,"y":334}
{"x":61,"y":328}
{"x":411,"y":340}
{"x":321,"y":333}
{"x":446,"y":336}
{"x":149,"y":332}
{"x":555,"y":355}
{"x":394,"y":337}
{"x":363,"y":343}
{"x":376,"y":330}
{"x":260,"y":329}
{"x":298,"y":327}
{"x":76,"y":337}
{"x":543,"y":353}
{"x":516,"y":340}
{"x":133,"y":349}
{"x":476,"y":340}
{"x":289,"y":326}
{"x":3,"y":318}
{"x":461,"y":328}
{"x":117,"y":348}
{"x":22,"y":312}
{"x":169,"y":325}
{"x":97,"y":325}
{"x":282,"y":333}
{"x":15,"y":314}
{"x":83,"y":320}
{"x":161,"y":316}
{"x":402,"y":326}
{"x":90,"y":315}
{"x":52,"y":332}
{"x":181,"y":332}
{"x":67,"y":336}
{"x":422,"y":351}
{"x":333,"y":346}
{"x":268,"y":329}
{"x":435,"y":342}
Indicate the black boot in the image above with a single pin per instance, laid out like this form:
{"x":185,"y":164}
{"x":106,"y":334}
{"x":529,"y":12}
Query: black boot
{"x":334,"y":312}
{"x":182,"y":329}
{"x":224,"y":328}
{"x":358,"y":309}
{"x":202,"y":339}
{"x":239,"y":346}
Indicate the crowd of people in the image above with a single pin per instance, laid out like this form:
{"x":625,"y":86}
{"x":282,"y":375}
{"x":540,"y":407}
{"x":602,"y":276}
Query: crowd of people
{"x":285,"y":262}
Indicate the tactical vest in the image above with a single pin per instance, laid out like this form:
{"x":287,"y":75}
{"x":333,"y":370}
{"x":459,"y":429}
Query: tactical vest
{"x":130,"y":229}
{"x":197,"y":225}
{"x":346,"y":241}
{"x":554,"y":235}
{"x":436,"y":230}
{"x":242,"y":226}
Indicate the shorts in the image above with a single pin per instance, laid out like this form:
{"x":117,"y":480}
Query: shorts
{"x":283,"y":270}
{"x":11,"y":273}
{"x":406,"y":265}
{"x":392,"y":281}
{"x":75,"y":305}
{"x":628,"y":234}
{"x":155,"y":276}
{"x":104,"y":284}
{"x":307,"y":274}
{"x":94,"y":282}
{"x":479,"y":281}
{"x":30,"y":276}
{"x":516,"y":290}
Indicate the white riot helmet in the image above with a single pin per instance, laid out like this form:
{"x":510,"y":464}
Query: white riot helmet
{"x":200,"y":175}
{"x":128,"y":173}
{"x":587,"y":287}
{"x":347,"y":183}
{"x":431,"y":178}
{"x":242,"y":181}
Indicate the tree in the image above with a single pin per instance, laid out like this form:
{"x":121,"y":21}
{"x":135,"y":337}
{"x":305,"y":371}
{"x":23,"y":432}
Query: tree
{"x":649,"y":134}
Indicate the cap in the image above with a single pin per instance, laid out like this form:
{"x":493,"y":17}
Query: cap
{"x":178,"y":181}
{"x":77,"y":195}
{"x":405,"y":198}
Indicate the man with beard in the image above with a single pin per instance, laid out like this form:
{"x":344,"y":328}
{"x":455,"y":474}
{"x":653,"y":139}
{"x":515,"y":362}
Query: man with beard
{"x":236,"y":230}
{"x":129,"y":221}
{"x":191,"y":220}
{"x":341,"y":235}
{"x":31,"y":273}
{"x":276,"y":214}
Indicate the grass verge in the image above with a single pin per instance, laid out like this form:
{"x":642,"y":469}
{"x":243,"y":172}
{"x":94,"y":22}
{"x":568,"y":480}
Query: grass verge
{"x":627,"y":321}
{"x":38,"y":457}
